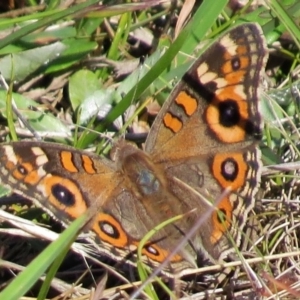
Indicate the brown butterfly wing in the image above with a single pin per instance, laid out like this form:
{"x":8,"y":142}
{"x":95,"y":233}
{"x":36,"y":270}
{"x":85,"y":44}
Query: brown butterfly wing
{"x":216,"y":102}
{"x":67,"y":183}
{"x":206,"y":135}
{"x":58,"y":178}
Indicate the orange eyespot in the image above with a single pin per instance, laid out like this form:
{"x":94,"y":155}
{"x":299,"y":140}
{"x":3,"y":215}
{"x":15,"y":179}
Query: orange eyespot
{"x":110,"y":230}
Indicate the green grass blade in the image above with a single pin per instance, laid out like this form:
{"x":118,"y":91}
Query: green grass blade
{"x":45,"y":21}
{"x":286,"y":19}
{"x":203,"y":19}
{"x":25,"y":280}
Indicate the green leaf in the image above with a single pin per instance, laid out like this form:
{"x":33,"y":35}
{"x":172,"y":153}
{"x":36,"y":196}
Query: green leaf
{"x":39,"y":121}
{"x":81,"y":85}
{"x":27,"y":62}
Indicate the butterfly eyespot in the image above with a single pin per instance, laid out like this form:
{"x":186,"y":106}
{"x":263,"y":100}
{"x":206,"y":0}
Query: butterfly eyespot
{"x":63,"y":195}
{"x":229,"y":113}
{"x":229,"y":169}
{"x":109,"y":229}
{"x":158,"y":254}
{"x":151,"y":250}
{"x":22,"y":170}
{"x":235,"y":63}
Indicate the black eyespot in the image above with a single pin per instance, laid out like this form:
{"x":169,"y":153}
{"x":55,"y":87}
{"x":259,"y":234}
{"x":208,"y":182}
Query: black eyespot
{"x":63,"y":195}
{"x":151,"y":250}
{"x":235,"y":63}
{"x":229,"y":113}
{"x":22,"y":170}
{"x":109,"y":229}
{"x":229,"y":169}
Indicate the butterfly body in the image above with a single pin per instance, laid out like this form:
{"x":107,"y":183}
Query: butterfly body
{"x":201,"y":153}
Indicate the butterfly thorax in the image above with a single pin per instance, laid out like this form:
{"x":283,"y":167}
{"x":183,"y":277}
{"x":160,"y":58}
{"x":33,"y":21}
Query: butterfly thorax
{"x":147,"y":179}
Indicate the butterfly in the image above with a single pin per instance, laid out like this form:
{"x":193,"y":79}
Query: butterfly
{"x":203,"y":145}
